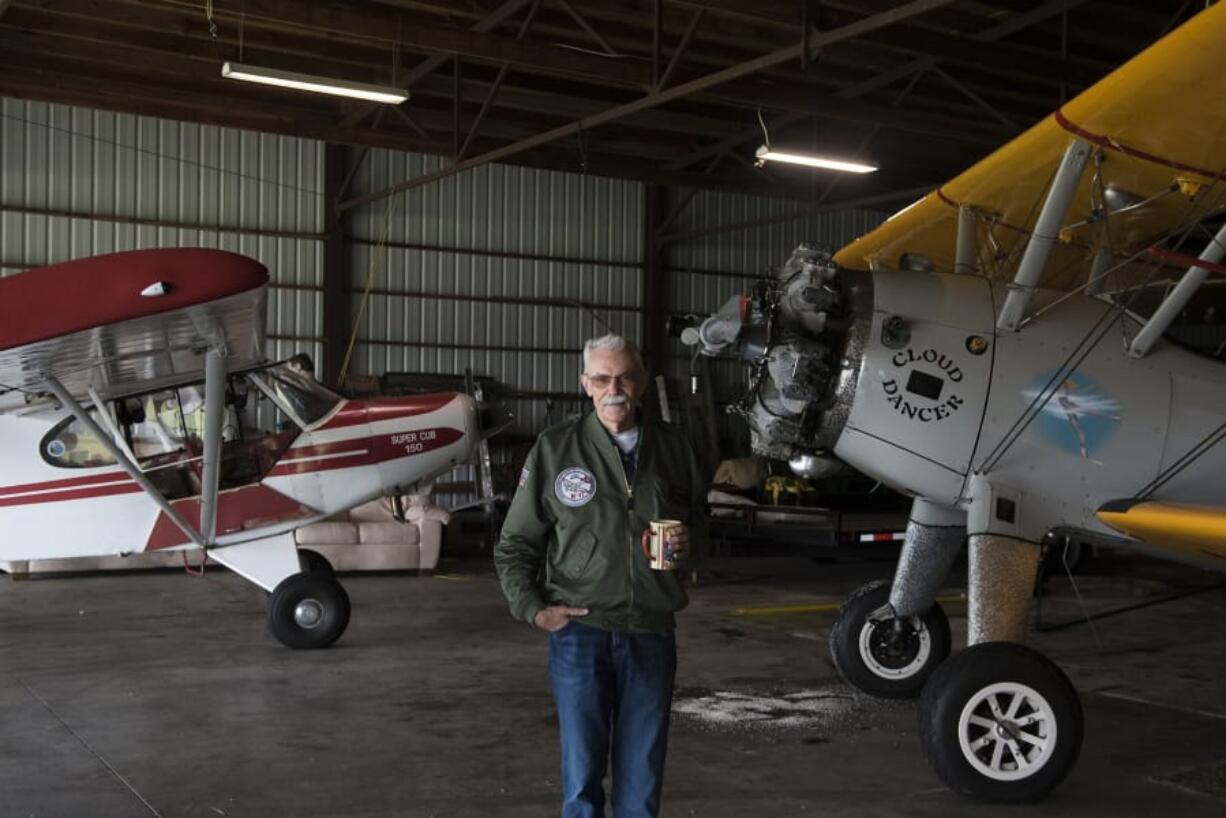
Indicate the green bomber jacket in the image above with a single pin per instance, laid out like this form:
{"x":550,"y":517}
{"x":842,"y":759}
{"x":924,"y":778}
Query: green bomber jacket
{"x":572,"y":534}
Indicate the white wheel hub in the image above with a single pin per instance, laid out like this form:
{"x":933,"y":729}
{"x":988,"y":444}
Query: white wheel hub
{"x":875,"y":660}
{"x":1007,"y":731}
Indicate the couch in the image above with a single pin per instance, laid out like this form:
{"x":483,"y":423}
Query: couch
{"x":366,"y":538}
{"x":370,"y":538}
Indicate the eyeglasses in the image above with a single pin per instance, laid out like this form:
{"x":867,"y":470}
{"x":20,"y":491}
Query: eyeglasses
{"x":603,"y":381}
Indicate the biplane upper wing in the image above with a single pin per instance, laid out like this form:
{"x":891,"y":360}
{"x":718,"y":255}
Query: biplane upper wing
{"x":130,"y":321}
{"x":1159,"y":129}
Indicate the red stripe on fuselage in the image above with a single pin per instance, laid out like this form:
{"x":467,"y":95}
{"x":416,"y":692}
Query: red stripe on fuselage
{"x":67,"y":482}
{"x":370,"y":450}
{"x":354,"y":460}
{"x":354,"y":412}
{"x":366,"y":451}
{"x":129,"y":487}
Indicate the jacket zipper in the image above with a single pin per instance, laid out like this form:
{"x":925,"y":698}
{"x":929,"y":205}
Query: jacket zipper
{"x":629,"y":524}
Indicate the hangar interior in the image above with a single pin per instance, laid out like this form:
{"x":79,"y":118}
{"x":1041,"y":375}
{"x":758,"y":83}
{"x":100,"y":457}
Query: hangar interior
{"x":562,"y":169}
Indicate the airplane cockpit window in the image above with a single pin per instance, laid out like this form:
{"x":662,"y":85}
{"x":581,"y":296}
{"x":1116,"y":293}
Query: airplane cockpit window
{"x":70,"y":445}
{"x":293,"y":385}
{"x":155,"y":424}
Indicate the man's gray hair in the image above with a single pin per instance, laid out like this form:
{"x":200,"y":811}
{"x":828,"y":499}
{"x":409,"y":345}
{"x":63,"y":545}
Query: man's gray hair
{"x":613,"y":343}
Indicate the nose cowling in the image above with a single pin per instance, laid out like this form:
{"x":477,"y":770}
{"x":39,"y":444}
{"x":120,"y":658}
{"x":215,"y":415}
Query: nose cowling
{"x":801,"y":335}
{"x":424,"y":436}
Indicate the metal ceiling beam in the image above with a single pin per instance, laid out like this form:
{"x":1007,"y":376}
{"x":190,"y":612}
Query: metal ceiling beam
{"x":802,"y":213}
{"x":783,"y":55}
{"x":587,"y":27}
{"x":333,"y":22}
{"x":681,"y":47}
{"x":431,"y":64}
{"x":496,"y":86}
{"x":107,"y":92}
{"x":975,"y":98}
{"x":917,"y":66}
{"x":1010,"y":26}
{"x":296,"y":53}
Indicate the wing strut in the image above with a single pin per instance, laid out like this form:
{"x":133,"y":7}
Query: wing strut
{"x":67,"y":400}
{"x":1174,"y":303}
{"x":214,"y":410}
{"x":1044,"y":236}
{"x":966,"y":258}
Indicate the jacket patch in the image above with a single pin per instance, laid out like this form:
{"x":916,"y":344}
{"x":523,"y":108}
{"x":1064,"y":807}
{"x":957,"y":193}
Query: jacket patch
{"x":575,"y":487}
{"x":523,"y":476}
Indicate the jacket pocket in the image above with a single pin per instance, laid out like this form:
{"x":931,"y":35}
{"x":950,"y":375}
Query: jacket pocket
{"x":573,"y":560}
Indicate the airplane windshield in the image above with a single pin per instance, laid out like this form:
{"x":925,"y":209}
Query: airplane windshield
{"x":292,"y":384}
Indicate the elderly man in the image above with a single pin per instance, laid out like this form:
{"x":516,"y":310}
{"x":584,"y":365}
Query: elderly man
{"x":570,"y":563}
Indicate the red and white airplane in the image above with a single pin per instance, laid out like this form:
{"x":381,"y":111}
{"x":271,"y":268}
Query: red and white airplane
{"x":138,"y":413}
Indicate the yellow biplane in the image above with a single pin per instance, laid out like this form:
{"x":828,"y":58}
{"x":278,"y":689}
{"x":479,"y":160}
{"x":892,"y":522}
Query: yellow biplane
{"x":994,"y":351}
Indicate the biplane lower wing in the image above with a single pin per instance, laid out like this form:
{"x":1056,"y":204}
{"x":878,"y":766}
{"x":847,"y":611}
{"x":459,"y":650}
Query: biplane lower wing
{"x":1195,"y":530}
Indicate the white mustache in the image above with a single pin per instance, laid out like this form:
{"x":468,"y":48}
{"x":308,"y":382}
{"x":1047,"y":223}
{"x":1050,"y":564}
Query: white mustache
{"x":614,"y":400}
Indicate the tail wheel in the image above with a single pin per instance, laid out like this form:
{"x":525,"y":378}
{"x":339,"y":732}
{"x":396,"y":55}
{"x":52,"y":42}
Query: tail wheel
{"x":882,"y":654}
{"x":1000,"y":722}
{"x":313,"y":561}
{"x":308,"y":610}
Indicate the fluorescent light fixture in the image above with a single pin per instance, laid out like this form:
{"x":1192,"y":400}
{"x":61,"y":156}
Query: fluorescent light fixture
{"x":766,"y":154}
{"x":309,"y":82}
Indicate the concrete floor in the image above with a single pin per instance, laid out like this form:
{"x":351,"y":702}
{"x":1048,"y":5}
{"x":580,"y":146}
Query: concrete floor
{"x":160,"y":694}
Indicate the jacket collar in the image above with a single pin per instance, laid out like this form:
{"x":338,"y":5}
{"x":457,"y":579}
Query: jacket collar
{"x":595,"y":431}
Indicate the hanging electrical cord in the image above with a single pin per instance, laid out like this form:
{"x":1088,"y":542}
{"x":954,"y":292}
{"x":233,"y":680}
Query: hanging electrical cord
{"x":595,"y":316}
{"x":208,"y":16}
{"x":376,"y":250}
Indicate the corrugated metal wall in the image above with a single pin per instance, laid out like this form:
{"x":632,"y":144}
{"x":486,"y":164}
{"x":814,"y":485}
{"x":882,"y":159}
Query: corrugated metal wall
{"x":502,"y":270}
{"x":76,"y":182}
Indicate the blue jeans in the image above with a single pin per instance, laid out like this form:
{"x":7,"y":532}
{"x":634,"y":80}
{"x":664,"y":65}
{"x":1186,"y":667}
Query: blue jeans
{"x":609,"y":684}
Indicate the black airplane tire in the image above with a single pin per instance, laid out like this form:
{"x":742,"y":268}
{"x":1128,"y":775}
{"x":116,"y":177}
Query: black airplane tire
{"x":880,"y":659}
{"x":308,"y":611}
{"x":961,"y":732}
{"x":313,"y":561}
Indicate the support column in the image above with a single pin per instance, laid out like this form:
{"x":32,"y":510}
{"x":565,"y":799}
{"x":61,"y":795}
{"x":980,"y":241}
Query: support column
{"x":655,"y":209}
{"x":336,"y":311}
{"x":1000,"y":585}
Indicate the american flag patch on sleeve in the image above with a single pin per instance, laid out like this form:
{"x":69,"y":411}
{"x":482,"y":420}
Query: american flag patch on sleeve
{"x":523,"y":476}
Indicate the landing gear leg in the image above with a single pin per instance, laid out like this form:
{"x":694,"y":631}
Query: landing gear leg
{"x":888,"y":639}
{"x":1000,"y":722}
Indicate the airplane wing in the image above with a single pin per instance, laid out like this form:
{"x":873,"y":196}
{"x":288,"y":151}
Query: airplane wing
{"x":1199,"y":531}
{"x":130,"y":321}
{"x":1160,"y":129}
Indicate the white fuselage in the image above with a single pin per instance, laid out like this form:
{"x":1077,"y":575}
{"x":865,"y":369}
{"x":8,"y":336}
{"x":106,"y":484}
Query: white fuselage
{"x":360,"y":451}
{"x":930,"y":413}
